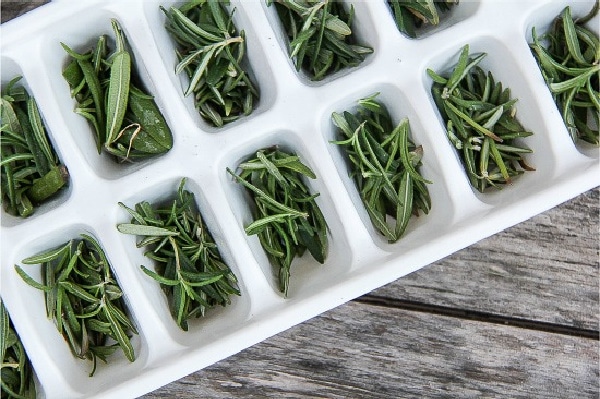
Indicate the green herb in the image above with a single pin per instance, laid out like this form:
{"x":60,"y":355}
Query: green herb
{"x":570,"y":65}
{"x":211,"y":52}
{"x":17,"y":373}
{"x":320,"y":36}
{"x":383,"y":164}
{"x":31,"y":170}
{"x":412,"y":15}
{"x":84,"y":299}
{"x":481,"y":123}
{"x":189,"y":266}
{"x":126,"y":120}
{"x":287,"y":219}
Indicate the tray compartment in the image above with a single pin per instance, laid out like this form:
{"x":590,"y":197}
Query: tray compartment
{"x":81,"y":32}
{"x":399,"y":105}
{"x":307,"y":275}
{"x":57,"y":368}
{"x":255,"y":63}
{"x":10,"y":70}
{"x":217,"y":321}
{"x":542,"y":19}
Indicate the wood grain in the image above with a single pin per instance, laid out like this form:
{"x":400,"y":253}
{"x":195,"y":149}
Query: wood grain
{"x":546,"y":269}
{"x":362,"y":351}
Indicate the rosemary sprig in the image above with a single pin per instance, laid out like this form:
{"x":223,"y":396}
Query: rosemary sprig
{"x":17,"y":373}
{"x":384,"y":165}
{"x":287,"y":219}
{"x":31,"y":170}
{"x":412,"y":15}
{"x":211,"y":53}
{"x":320,"y":36}
{"x":189,"y":266}
{"x":570,"y":65}
{"x":84,"y":299}
{"x":126,"y":120}
{"x":481,"y":123}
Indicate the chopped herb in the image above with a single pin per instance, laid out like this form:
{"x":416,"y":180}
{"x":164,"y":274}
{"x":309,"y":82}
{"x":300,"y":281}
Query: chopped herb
{"x":31,"y":170}
{"x":384,"y":165}
{"x":84,"y":299}
{"x":570,"y":65}
{"x":481,"y":122}
{"x":287,"y":219}
{"x":212,"y":54}
{"x":320,"y":36}
{"x":189,"y":266}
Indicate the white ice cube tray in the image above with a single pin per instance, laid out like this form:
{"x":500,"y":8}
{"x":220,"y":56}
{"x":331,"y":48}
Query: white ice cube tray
{"x":294,"y":113}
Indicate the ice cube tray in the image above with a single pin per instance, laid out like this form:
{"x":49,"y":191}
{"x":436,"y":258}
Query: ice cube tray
{"x":294,"y":113}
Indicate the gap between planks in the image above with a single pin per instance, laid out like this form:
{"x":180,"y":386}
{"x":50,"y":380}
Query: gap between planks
{"x":484,"y":317}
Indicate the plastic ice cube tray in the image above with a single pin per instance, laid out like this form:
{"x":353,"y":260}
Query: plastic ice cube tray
{"x":294,"y":113}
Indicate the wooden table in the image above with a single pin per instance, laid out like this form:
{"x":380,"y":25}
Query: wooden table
{"x":515,"y":315}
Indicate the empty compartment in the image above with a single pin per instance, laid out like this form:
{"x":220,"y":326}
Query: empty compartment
{"x":307,"y":276}
{"x":81,"y":33}
{"x":363,"y":34}
{"x":254,"y":62}
{"x":26,"y":175}
{"x":218,"y":320}
{"x":420,"y":229}
{"x":501,"y":62}
{"x":58,"y":369}
{"x":542,"y":19}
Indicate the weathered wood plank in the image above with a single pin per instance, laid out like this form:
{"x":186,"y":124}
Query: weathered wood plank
{"x":13,"y":8}
{"x":366,"y":351}
{"x":544,"y":269}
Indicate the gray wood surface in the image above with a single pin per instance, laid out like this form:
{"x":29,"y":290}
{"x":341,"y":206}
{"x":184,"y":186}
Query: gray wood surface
{"x":515,"y":315}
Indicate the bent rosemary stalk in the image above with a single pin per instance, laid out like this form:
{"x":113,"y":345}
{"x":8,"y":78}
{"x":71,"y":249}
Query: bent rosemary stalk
{"x":211,"y":53}
{"x":84,"y":299}
{"x":481,"y":123}
{"x":189,"y":267}
{"x":287,"y":219}
{"x":125,"y":119}
{"x":384,"y":164}
{"x":31,"y":170}
{"x":17,"y":373}
{"x":412,"y":15}
{"x":570,"y":65}
{"x":320,"y":37}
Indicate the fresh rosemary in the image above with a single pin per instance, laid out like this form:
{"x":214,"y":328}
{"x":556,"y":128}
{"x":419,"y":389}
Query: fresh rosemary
{"x":570,"y":65}
{"x":412,"y":15}
{"x":287,"y":219}
{"x":84,"y":299}
{"x":384,"y":165}
{"x":17,"y":373}
{"x":211,"y":52}
{"x":189,"y":266}
{"x":320,"y":35}
{"x":126,"y":120}
{"x":31,"y":170}
{"x":481,"y":123}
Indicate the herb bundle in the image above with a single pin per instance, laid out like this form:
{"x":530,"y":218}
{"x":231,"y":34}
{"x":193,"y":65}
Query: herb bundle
{"x":287,"y":219}
{"x":411,"y":15}
{"x":189,"y":268}
{"x":570,"y":65}
{"x":211,"y":52}
{"x":84,"y":299}
{"x":17,"y":373}
{"x":481,"y":123}
{"x":126,"y":120}
{"x":31,"y":170}
{"x":383,"y":164}
{"x":320,"y":38}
